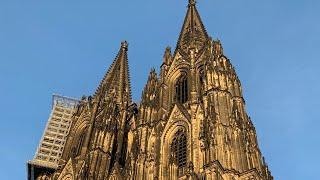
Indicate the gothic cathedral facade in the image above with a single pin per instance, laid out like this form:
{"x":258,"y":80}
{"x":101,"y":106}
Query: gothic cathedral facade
{"x":191,"y":122}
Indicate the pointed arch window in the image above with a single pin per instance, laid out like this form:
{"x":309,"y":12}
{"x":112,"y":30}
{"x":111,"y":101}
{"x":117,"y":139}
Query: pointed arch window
{"x":201,"y":82}
{"x":179,"y":151}
{"x":182,"y":89}
{"x":80,"y":143}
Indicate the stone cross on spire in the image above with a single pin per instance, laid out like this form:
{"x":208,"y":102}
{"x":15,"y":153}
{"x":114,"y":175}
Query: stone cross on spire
{"x":192,"y":2}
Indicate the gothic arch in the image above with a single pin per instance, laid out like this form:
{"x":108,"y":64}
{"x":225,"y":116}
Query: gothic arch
{"x":79,"y":138}
{"x":77,"y":127}
{"x":167,"y":137}
{"x":174,"y":77}
{"x":178,"y":63}
{"x":80,"y":121}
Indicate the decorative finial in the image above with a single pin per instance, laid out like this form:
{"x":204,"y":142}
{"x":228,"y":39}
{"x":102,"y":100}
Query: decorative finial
{"x":124,"y":44}
{"x":192,"y":2}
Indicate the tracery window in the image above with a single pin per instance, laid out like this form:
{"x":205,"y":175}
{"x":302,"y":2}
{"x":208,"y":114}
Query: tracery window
{"x":182,"y":89}
{"x":179,"y":151}
{"x":80,"y":143}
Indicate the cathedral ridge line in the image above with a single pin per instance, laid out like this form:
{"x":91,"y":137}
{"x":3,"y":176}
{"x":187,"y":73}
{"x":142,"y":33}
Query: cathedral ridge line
{"x":191,"y":122}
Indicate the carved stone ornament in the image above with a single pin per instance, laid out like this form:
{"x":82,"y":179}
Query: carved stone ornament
{"x":124,"y":140}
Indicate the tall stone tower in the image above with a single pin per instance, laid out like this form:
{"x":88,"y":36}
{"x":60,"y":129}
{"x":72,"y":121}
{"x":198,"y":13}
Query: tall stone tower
{"x":191,"y":122}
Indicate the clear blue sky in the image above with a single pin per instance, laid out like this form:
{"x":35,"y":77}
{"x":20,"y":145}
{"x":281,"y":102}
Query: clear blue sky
{"x":65,"y":47}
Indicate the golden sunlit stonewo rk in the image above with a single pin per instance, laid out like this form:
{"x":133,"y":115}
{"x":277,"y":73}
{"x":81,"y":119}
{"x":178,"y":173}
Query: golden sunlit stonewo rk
{"x":191,"y":122}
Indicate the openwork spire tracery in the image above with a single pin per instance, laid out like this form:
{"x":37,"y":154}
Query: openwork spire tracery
{"x":191,"y":122}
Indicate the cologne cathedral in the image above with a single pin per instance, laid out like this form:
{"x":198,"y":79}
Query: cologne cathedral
{"x":191,"y":122}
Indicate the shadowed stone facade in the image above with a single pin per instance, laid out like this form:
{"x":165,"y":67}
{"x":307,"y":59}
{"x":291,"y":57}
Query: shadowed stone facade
{"x":191,"y":122}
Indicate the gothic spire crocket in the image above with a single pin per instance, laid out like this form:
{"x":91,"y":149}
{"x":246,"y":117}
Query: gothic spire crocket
{"x":191,"y":122}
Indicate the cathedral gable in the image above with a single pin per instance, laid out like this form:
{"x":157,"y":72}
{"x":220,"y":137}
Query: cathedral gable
{"x":68,"y":171}
{"x":179,"y":113}
{"x":178,"y":117}
{"x":181,"y":129}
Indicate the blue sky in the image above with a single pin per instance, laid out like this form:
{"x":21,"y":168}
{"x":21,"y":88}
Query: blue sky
{"x":65,"y":47}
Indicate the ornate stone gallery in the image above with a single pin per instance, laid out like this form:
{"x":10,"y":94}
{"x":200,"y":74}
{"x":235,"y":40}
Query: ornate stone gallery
{"x":191,"y":122}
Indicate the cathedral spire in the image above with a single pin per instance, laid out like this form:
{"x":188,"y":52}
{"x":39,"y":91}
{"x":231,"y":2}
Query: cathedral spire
{"x":191,"y":122}
{"x":117,"y":81}
{"x":193,"y":33}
